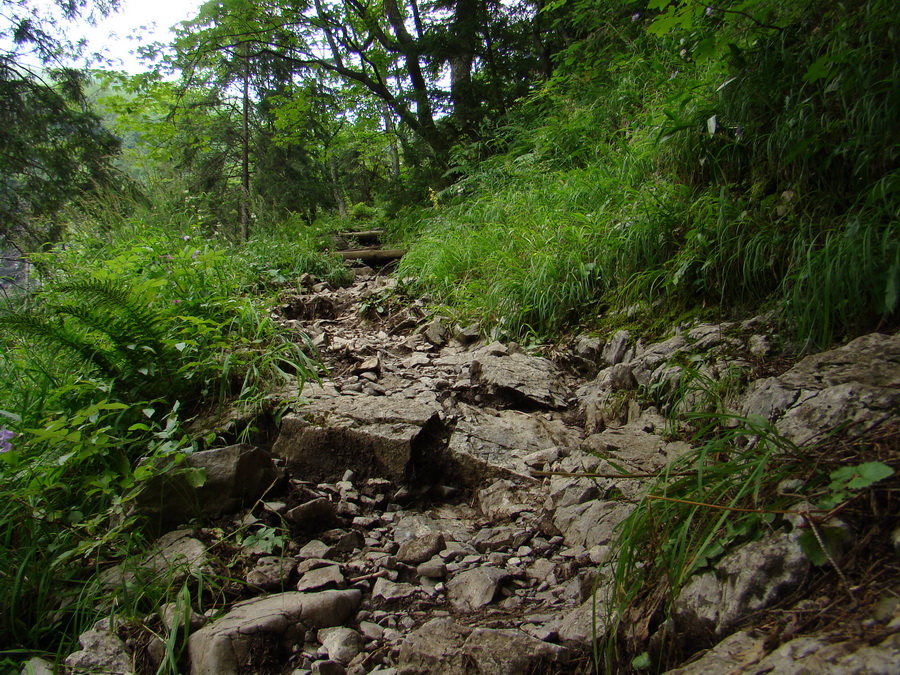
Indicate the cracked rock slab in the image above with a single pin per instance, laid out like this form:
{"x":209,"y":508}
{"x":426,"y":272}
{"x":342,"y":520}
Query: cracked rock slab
{"x":391,"y":591}
{"x":489,"y":445}
{"x":443,"y":646}
{"x":745,"y":654}
{"x":857,"y":384}
{"x":591,"y":523}
{"x":531,"y":379}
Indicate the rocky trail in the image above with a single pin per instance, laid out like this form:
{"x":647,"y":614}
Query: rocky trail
{"x":422,"y":511}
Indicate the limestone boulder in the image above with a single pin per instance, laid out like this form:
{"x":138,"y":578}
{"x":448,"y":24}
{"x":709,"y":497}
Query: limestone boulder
{"x":644,"y":366}
{"x":420,"y":549}
{"x":487,"y":445}
{"x":750,"y":578}
{"x":392,"y":591}
{"x":235,"y":476}
{"x":591,"y":523}
{"x":504,"y":499}
{"x":745,"y":654}
{"x":37,"y":666}
{"x":586,"y":623}
{"x":436,"y":332}
{"x":475,"y":588}
{"x":225,"y":646}
{"x":735,"y":651}
{"x":857,"y":385}
{"x":443,"y":646}
{"x":502,"y":651}
{"x":435,"y":647}
{"x":102,"y":651}
{"x":342,"y":644}
{"x":176,"y":555}
{"x":811,"y":655}
{"x":616,"y":350}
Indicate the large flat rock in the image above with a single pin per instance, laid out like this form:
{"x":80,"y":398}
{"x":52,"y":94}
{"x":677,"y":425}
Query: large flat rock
{"x":443,"y":646}
{"x":225,"y":646}
{"x":372,"y":435}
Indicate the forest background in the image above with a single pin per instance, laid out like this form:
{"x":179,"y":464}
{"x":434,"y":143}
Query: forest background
{"x":548,"y":165}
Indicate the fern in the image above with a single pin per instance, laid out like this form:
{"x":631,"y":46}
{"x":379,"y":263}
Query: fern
{"x":106,"y":326}
{"x":49,"y":333}
{"x":133,"y":320}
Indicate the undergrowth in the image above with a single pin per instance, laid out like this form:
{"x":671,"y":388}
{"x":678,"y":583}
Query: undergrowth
{"x":136,"y":328}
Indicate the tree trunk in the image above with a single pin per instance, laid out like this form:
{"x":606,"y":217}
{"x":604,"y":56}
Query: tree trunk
{"x":245,"y":152}
{"x":336,"y":187}
{"x":392,"y":132}
{"x":465,"y":37}
{"x":373,"y":256}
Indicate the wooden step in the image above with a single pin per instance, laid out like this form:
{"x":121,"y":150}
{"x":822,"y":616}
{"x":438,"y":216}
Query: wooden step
{"x":373,"y":256}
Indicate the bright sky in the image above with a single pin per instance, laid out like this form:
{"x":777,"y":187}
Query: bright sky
{"x":136,"y":23}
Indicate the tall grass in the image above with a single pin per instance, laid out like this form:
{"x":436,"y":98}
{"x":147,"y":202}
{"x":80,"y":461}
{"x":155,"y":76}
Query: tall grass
{"x":845,"y":280}
{"x":740,"y":179}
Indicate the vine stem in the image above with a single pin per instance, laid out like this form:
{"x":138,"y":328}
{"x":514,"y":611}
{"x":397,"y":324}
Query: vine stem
{"x":737,"y":508}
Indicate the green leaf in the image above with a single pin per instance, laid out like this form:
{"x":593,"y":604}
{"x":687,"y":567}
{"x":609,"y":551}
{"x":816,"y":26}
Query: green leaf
{"x":818,"y":70}
{"x":831,"y":536}
{"x":811,"y":548}
{"x":195,"y":477}
{"x":869,"y":473}
{"x":859,"y":477}
{"x":705,"y":50}
{"x":664,"y":23}
{"x":641,"y":662}
{"x":892,"y":289}
{"x":798,"y":148}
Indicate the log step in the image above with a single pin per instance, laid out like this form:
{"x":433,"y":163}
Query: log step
{"x":373,"y":256}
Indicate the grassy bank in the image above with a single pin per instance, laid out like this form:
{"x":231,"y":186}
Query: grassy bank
{"x":756,"y":169}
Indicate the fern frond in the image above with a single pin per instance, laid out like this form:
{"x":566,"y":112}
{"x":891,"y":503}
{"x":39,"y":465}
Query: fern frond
{"x":39,"y":329}
{"x":130,"y":319}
